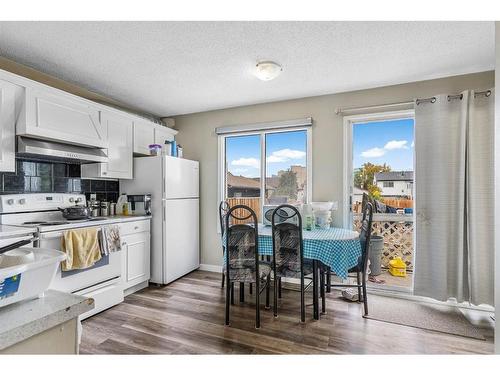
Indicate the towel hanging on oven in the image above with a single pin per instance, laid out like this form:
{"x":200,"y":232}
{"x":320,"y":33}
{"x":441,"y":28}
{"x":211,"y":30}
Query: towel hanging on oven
{"x":81,"y":247}
{"x":109,"y":239}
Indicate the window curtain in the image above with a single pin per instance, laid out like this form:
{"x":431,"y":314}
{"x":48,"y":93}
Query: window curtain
{"x":454,"y":198}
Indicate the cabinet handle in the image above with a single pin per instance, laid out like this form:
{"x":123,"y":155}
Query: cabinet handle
{"x":104,"y":173}
{"x":136,"y":227}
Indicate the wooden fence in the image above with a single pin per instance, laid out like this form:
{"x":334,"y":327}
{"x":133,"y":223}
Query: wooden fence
{"x":253,"y":203}
{"x":398,"y":203}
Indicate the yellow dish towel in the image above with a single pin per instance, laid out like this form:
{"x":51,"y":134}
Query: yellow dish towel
{"x":81,"y":247}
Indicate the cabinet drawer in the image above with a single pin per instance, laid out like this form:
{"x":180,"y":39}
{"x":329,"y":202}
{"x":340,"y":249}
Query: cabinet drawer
{"x":132,"y":227}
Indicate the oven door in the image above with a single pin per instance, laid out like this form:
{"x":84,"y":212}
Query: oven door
{"x":107,"y":268}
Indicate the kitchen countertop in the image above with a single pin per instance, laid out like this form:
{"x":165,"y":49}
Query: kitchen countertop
{"x":13,"y":231}
{"x":100,"y":220}
{"x":25,"y":319}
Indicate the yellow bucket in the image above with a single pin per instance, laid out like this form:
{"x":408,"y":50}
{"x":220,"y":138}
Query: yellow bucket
{"x":397,"y":267}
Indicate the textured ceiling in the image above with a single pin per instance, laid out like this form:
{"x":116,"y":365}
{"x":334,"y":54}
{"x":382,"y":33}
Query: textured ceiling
{"x":170,"y":68}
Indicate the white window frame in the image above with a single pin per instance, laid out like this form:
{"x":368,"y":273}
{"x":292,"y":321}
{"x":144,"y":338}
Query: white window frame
{"x":221,"y":176}
{"x":349,"y":121}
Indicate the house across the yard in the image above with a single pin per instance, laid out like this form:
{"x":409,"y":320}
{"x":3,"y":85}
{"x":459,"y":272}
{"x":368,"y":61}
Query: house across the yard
{"x":397,"y":184}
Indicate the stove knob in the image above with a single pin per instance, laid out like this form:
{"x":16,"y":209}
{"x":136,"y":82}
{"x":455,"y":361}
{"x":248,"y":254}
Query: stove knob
{"x":10,"y":201}
{"x":22,"y":201}
{"x":71,"y":200}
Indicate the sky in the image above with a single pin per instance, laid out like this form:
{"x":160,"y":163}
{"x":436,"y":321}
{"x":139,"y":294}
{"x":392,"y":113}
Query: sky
{"x":282,"y":151}
{"x":389,"y":142}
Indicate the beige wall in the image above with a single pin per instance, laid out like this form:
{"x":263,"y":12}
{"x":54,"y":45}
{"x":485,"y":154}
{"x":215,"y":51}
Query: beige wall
{"x":497,"y":188}
{"x":196,"y":135}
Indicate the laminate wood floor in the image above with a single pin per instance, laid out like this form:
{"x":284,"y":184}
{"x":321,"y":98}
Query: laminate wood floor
{"x":187,"y":317}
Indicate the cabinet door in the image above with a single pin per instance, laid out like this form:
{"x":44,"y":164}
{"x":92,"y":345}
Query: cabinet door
{"x":60,"y":117}
{"x":163,"y":134}
{"x":120,"y":151}
{"x":143,"y":137}
{"x":7,"y":127}
{"x":137,"y":255}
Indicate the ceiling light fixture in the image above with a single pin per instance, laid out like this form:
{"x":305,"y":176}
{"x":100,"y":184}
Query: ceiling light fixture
{"x":267,"y":70}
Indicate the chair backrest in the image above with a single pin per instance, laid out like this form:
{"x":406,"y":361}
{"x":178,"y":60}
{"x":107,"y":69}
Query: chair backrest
{"x":223,"y":209}
{"x":288,"y":252}
{"x":365,"y":234}
{"x":242,"y":244}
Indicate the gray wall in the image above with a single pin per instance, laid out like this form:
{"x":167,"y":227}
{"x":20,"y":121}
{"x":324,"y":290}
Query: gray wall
{"x":196,"y":135}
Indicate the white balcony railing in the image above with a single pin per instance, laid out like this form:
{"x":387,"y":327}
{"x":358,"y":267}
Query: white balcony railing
{"x":397,"y":231}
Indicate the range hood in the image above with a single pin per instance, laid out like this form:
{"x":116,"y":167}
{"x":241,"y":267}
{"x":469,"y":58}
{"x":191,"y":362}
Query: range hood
{"x":48,"y":150}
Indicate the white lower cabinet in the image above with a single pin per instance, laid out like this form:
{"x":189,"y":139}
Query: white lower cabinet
{"x":136,"y":253}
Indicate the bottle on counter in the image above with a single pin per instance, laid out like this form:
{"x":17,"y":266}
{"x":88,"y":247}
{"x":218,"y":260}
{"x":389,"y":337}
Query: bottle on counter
{"x":125,"y":211}
{"x":119,"y":203}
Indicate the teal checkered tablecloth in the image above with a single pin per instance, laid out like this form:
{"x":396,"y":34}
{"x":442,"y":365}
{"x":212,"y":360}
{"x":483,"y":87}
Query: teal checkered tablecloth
{"x":336,"y":248}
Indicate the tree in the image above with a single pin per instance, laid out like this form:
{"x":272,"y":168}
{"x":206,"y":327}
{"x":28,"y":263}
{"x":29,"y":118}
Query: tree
{"x":287,"y":185}
{"x":364,"y":178}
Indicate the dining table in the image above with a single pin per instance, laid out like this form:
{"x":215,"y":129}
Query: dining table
{"x":336,"y":249}
{"x":332,"y":248}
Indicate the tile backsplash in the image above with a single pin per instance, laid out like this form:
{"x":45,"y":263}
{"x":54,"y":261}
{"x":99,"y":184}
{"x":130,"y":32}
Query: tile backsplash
{"x":33,"y":176}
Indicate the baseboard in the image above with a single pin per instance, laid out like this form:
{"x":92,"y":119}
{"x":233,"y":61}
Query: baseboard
{"x":135,"y":288}
{"x":210,"y":268}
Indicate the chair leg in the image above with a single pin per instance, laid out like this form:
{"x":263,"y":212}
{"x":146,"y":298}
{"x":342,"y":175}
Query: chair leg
{"x":315,"y":290}
{"x":250,"y":288}
{"x":242,"y":292}
{"x":228,"y":297}
{"x":223,"y":279}
{"x":329,"y":280}
{"x":257,"y":305}
{"x":279,"y":287}
{"x":232,"y":293}
{"x":359,"y":286}
{"x":322,"y":290}
{"x":268,"y":287}
{"x":275,"y":304}
{"x":302,"y":300}
{"x":365,"y":301}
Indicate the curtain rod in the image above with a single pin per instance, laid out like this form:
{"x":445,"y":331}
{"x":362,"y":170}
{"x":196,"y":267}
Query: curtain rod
{"x":339,"y":110}
{"x":432,"y":99}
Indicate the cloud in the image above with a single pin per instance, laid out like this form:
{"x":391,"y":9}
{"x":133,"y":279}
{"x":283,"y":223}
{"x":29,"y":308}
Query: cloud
{"x":239,"y":171}
{"x":412,"y":143}
{"x":246,"y":162}
{"x":375,"y":152}
{"x":284,"y":155}
{"x":395,"y":145}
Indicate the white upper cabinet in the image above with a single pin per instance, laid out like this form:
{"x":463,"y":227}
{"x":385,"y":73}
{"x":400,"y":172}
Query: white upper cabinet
{"x":7,"y":127}
{"x":60,"y":117}
{"x":144,"y":135}
{"x":162,"y":134}
{"x":119,"y":131}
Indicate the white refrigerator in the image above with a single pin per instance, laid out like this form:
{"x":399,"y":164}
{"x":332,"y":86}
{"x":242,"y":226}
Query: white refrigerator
{"x":174,"y":187}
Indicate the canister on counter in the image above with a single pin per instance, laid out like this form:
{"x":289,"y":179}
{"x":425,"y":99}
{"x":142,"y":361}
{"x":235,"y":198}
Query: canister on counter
{"x":104,"y":208}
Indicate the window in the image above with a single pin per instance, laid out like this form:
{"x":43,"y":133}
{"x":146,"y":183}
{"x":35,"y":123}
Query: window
{"x":266,"y":167}
{"x":388,"y":183}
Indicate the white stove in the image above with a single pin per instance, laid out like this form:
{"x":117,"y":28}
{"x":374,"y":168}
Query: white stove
{"x":41,"y":213}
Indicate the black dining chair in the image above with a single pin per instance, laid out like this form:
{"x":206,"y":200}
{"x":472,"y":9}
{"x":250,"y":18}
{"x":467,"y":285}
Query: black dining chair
{"x":361,"y":268}
{"x":223,"y":209}
{"x":288,"y":253}
{"x":242,"y":262}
